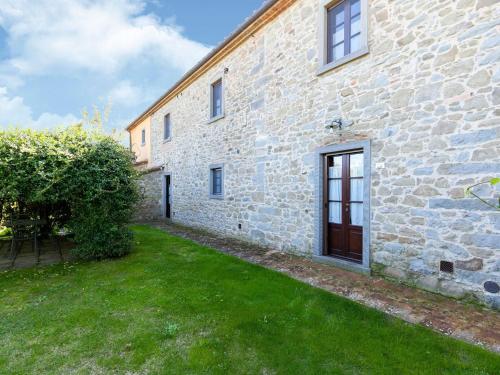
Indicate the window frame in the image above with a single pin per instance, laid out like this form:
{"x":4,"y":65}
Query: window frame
{"x":213,"y":118}
{"x":143,"y":137}
{"x":324,"y":26}
{"x":169,"y":117}
{"x":211,"y":193}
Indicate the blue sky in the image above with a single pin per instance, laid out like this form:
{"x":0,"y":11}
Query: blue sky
{"x":60,"y":56}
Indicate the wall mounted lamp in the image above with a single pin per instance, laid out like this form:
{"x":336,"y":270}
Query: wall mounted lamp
{"x":338,"y":123}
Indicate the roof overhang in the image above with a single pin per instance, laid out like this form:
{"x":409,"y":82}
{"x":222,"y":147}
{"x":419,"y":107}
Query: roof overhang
{"x":269,"y":11}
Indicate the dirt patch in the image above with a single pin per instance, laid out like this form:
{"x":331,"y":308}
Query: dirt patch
{"x":26,"y":258}
{"x":464,"y":321}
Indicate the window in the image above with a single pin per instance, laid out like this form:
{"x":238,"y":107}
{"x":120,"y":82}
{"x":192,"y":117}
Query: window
{"x":216,"y":109}
{"x":217,"y":181}
{"x":344,"y":32}
{"x":167,"y":127}
{"x":143,"y":136}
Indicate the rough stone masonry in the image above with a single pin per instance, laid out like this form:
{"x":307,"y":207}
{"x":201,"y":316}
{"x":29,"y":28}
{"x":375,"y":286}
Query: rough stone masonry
{"x":427,"y":96}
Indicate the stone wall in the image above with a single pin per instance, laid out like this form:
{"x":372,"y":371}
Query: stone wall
{"x":427,"y":96}
{"x":149,"y":207}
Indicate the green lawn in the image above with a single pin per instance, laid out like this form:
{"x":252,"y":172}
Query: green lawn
{"x":174,"y":307}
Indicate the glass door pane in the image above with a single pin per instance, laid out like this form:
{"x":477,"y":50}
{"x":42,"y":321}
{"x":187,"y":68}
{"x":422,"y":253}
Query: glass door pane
{"x":356,"y":192}
{"x":335,"y":171}
{"x":356,"y":165}
{"x":356,"y":213}
{"x":335,"y":213}
{"x":335,"y":190}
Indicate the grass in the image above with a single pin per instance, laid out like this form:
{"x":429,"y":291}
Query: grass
{"x":175,"y":307}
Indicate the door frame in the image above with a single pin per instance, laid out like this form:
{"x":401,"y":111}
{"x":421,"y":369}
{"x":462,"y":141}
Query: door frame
{"x":319,"y":247}
{"x":164,"y":195}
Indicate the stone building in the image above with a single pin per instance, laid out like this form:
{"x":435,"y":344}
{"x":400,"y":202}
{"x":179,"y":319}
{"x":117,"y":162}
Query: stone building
{"x":343,"y":130}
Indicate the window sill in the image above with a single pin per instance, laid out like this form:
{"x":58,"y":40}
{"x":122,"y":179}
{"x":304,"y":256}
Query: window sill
{"x":216,"y":118}
{"x":344,"y":60}
{"x":219,"y":197}
{"x":167,"y":140}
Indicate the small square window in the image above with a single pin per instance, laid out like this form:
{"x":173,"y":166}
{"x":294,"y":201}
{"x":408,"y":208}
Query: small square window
{"x":216,"y":104}
{"x":216,"y":181}
{"x":143,"y":136}
{"x":167,"y":127}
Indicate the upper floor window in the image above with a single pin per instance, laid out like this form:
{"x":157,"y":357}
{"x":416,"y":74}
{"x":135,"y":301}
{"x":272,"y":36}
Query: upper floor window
{"x":143,"y":137}
{"x":167,"y":127}
{"x":216,"y":105}
{"x":344,"y":31}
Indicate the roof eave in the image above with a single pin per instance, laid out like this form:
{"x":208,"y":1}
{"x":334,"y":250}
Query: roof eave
{"x":268,"y":5}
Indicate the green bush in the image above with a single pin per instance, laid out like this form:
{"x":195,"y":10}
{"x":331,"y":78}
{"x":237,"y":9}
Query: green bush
{"x":84,"y":180}
{"x":5,"y":232}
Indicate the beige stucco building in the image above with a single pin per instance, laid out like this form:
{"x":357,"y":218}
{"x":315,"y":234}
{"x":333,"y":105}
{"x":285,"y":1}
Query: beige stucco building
{"x":140,"y":141}
{"x":343,"y":130}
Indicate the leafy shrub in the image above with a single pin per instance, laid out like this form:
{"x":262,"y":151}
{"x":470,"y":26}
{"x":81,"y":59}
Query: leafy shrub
{"x":81,"y":180}
{"x":5,"y":232}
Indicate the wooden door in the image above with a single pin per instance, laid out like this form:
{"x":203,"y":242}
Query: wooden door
{"x":168,"y":196}
{"x":343,"y":202}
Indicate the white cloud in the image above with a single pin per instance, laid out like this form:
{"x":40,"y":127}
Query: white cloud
{"x":101,"y":36}
{"x":125,"y":93}
{"x":14,"y":112}
{"x":109,"y":50}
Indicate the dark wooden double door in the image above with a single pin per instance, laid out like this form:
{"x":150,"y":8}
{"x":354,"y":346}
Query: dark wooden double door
{"x":343,"y":202}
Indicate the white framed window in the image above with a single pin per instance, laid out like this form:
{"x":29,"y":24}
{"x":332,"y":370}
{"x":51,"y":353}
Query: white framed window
{"x":216,"y":100}
{"x":143,"y":137}
{"x":343,"y":32}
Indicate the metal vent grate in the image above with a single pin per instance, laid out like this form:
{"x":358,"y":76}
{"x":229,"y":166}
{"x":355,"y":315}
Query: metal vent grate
{"x":445,"y":266}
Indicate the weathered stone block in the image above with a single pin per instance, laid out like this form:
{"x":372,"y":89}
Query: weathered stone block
{"x":496,"y":95}
{"x":452,"y":89}
{"x":474,"y":137}
{"x":394,"y":248}
{"x":474,"y":264}
{"x":479,"y":79}
{"x":457,"y":204}
{"x":424,"y":171}
{"x":475,"y":103}
{"x":430,"y":92}
{"x":426,"y":191}
{"x":451,"y":288}
{"x":485,"y":3}
{"x":420,"y":267}
{"x":401,"y":98}
{"x":405,"y":181}
{"x":447,"y":57}
{"x":483,"y":240}
{"x":471,"y":168}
